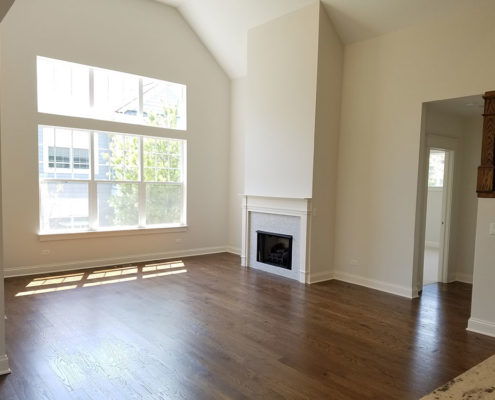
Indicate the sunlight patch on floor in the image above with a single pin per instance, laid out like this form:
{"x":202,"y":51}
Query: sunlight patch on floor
{"x":54,"y":280}
{"x":113,"y":272}
{"x":100,"y":277}
{"x":47,"y":290}
{"x":162,"y":266}
{"x":110,"y":281}
{"x":180,"y":271}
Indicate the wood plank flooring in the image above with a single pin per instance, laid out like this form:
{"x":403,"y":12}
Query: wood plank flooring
{"x":205,"y":328}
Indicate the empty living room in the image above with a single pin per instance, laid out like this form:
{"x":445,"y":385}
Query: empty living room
{"x":247,"y":199}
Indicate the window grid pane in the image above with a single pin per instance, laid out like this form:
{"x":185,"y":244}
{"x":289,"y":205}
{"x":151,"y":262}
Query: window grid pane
{"x":162,"y":160}
{"x":121,"y":197}
{"x":117,"y":157}
{"x":58,"y":158}
{"x":163,"y":203}
{"x":117,"y":204}
{"x":64,"y":206}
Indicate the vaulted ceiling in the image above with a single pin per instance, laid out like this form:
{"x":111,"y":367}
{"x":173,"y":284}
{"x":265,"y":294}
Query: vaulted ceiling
{"x":223,"y":24}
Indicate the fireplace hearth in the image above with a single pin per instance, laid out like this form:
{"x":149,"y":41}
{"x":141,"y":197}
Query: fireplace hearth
{"x":274,"y":249}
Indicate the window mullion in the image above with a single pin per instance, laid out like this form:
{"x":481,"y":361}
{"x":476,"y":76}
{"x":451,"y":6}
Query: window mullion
{"x":71,"y":153}
{"x":93,"y":209}
{"x":141,"y":98}
{"x":91,"y":88}
{"x":183,"y":179}
{"x":142,"y":185}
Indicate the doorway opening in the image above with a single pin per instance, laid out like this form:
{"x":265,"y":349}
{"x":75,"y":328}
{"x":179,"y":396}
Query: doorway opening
{"x":450,"y":149}
{"x":438,"y":211}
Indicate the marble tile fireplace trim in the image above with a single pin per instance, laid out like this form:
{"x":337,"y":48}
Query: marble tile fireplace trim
{"x":293,"y":207}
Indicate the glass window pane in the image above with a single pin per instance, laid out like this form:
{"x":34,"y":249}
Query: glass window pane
{"x":64,"y":206}
{"x":174,"y":175}
{"x":116,"y":96}
{"x":117,"y":157}
{"x":174,"y":147}
{"x":117,"y":204}
{"x":149,"y":174}
{"x":436,"y":168}
{"x":63,"y":87}
{"x":163,"y":204}
{"x":174,"y":162}
{"x":162,"y":175}
{"x":162,"y":160}
{"x":164,"y":104}
{"x":64,"y":153}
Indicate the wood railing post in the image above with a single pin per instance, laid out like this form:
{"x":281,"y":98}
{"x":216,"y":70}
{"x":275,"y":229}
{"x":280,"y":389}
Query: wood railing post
{"x":486,"y":171}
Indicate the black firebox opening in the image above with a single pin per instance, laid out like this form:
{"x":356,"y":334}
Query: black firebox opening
{"x":274,"y":249}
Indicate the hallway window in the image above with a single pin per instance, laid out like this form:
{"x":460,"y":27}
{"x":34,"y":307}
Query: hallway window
{"x":436,"y":168}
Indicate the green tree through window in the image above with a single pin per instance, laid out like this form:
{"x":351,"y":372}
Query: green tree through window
{"x":162,"y":179}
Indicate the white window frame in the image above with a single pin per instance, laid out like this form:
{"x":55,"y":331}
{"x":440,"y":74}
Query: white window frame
{"x":142,"y":227}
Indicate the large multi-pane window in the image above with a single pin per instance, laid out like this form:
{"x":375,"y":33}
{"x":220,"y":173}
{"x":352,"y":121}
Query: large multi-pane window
{"x":93,"y":180}
{"x":66,"y":88}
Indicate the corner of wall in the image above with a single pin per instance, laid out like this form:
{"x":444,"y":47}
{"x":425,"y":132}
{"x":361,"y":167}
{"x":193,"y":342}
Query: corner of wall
{"x":238,"y":130}
{"x":325,"y":156}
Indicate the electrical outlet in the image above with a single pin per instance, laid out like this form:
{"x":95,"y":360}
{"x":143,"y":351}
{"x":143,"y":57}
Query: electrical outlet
{"x":491,"y":231}
{"x":178,"y":240}
{"x":45,"y":252}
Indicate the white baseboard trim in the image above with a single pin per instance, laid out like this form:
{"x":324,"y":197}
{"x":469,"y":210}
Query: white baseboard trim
{"x":4,"y":365}
{"x":374,"y":284}
{"x":466,"y":278}
{"x":233,"y":250}
{"x":432,"y":245}
{"x":105,"y":262}
{"x":321,"y":277}
{"x":481,"y":326}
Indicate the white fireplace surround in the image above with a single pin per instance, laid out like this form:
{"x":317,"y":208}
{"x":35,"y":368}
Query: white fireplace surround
{"x":282,"y":206}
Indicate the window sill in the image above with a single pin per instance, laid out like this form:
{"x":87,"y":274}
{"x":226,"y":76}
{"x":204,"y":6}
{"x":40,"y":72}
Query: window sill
{"x":45,"y":237}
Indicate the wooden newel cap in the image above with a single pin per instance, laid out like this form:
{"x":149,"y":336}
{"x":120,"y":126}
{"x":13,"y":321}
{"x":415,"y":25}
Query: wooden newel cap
{"x":489,"y":95}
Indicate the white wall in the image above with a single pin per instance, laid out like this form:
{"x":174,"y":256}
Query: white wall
{"x":464,"y":229}
{"x":326,"y":139}
{"x":4,"y":366}
{"x":135,"y":36}
{"x":282,"y":68}
{"x":433,"y":216}
{"x":482,"y":311}
{"x":238,"y":134}
{"x":386,"y":80}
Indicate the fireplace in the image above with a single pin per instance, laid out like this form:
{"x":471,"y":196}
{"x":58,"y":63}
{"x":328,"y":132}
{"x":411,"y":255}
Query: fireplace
{"x":274,"y":249}
{"x":289,"y":220}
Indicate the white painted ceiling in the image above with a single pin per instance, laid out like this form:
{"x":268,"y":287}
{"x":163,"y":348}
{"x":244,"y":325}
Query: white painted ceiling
{"x":223,"y":24}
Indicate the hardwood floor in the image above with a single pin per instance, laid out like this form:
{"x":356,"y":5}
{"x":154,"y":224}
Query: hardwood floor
{"x":205,"y":328}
